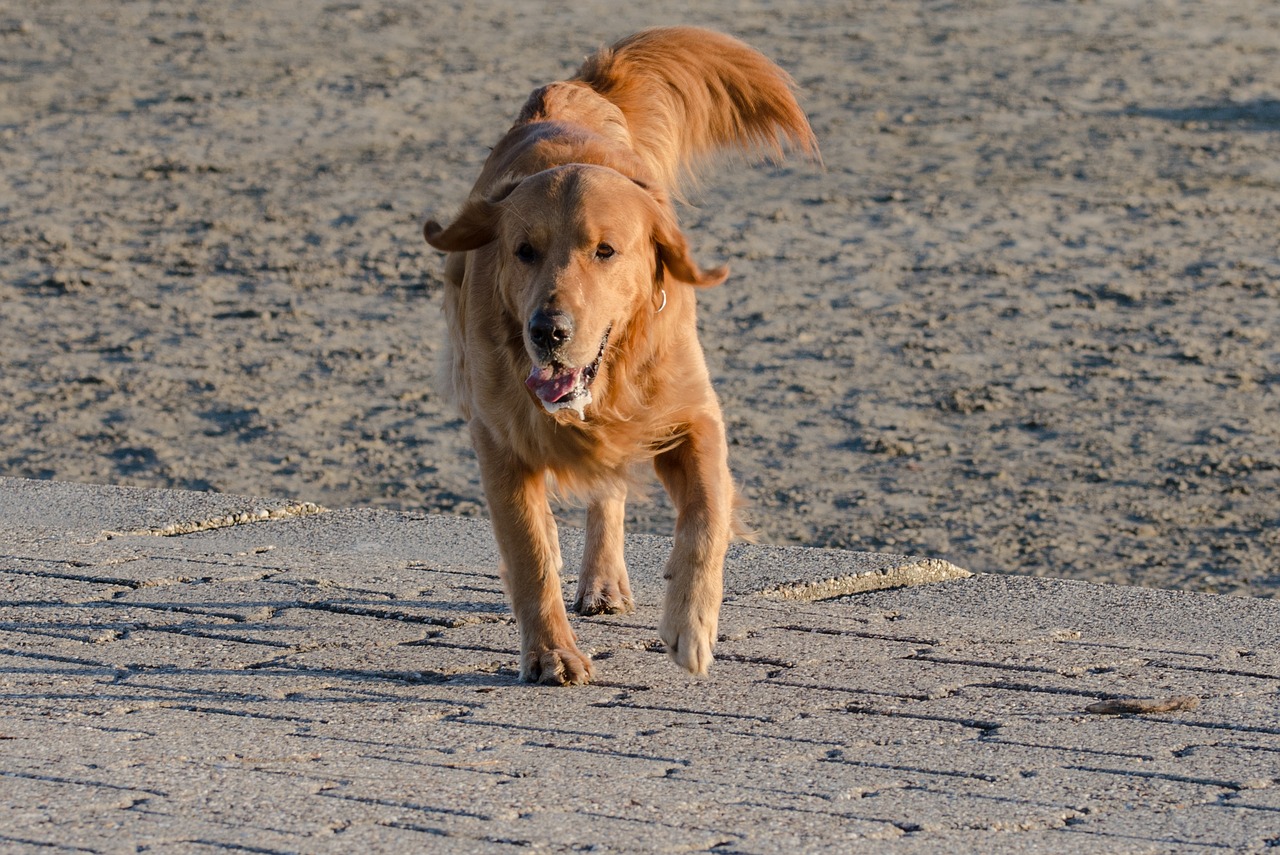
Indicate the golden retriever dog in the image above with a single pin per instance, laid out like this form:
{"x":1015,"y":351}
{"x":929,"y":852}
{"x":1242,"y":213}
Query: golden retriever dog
{"x":570,"y":302}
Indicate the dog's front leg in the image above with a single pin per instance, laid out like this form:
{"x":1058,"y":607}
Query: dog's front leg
{"x":696,"y":475}
{"x":524,"y":529}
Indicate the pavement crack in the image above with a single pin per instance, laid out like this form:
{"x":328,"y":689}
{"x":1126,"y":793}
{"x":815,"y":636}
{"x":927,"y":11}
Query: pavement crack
{"x":418,"y":807}
{"x":91,"y":578}
{"x":674,"y":764}
{"x":838,"y":756}
{"x":404,"y":617}
{"x":979,"y":724}
{"x":1071,"y":671}
{"x":81,"y":782}
{"x":856,"y":633}
{"x":994,"y":739}
{"x":1162,"y":776}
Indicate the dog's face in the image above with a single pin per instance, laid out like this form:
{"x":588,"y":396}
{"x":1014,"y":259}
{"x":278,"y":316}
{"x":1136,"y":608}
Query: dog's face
{"x":578,"y":251}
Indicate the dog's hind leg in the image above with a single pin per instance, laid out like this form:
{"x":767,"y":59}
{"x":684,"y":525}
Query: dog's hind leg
{"x":603,"y":586}
{"x":696,"y":475}
{"x":517,"y":497}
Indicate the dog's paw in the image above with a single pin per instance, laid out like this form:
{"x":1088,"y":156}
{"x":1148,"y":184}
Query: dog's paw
{"x":559,"y":666}
{"x":608,"y":597}
{"x":689,"y":638}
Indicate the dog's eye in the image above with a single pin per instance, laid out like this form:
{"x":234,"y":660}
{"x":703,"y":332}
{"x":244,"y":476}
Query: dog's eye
{"x":526,"y":253}
{"x":604,"y":251}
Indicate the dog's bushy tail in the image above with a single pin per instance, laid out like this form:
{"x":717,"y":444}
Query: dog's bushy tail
{"x":689,"y":94}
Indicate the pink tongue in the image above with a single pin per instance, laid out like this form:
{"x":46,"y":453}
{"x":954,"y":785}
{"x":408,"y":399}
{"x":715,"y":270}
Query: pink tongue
{"x":551,"y":387}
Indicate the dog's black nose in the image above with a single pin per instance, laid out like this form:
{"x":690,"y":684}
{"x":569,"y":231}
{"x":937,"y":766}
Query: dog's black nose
{"x":550,"y":330}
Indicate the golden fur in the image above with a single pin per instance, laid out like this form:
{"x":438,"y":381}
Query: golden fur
{"x":571,"y":311}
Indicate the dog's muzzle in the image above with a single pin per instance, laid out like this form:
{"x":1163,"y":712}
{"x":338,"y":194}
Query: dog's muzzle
{"x":559,"y":387}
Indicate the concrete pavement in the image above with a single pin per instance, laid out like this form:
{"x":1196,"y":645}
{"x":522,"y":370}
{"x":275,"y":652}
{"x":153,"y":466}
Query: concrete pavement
{"x":185,"y":672}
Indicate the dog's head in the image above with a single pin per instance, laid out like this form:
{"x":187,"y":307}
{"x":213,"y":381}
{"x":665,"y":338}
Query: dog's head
{"x":579,"y":251}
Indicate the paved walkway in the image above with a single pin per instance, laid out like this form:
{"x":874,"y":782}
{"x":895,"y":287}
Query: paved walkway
{"x":185,"y":672}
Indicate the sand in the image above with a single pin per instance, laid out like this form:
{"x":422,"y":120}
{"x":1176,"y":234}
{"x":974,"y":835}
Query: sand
{"x":1024,"y":320}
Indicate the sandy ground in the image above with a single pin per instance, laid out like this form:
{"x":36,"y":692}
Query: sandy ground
{"x":1026,"y":319}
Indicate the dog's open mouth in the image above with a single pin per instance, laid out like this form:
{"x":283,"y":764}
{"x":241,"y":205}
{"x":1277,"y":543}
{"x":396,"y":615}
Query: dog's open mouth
{"x":561,"y":388}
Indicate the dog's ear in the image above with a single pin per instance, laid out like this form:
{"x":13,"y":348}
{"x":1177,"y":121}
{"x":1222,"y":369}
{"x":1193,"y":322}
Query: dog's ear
{"x":474,"y":227}
{"x":675,"y":257}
